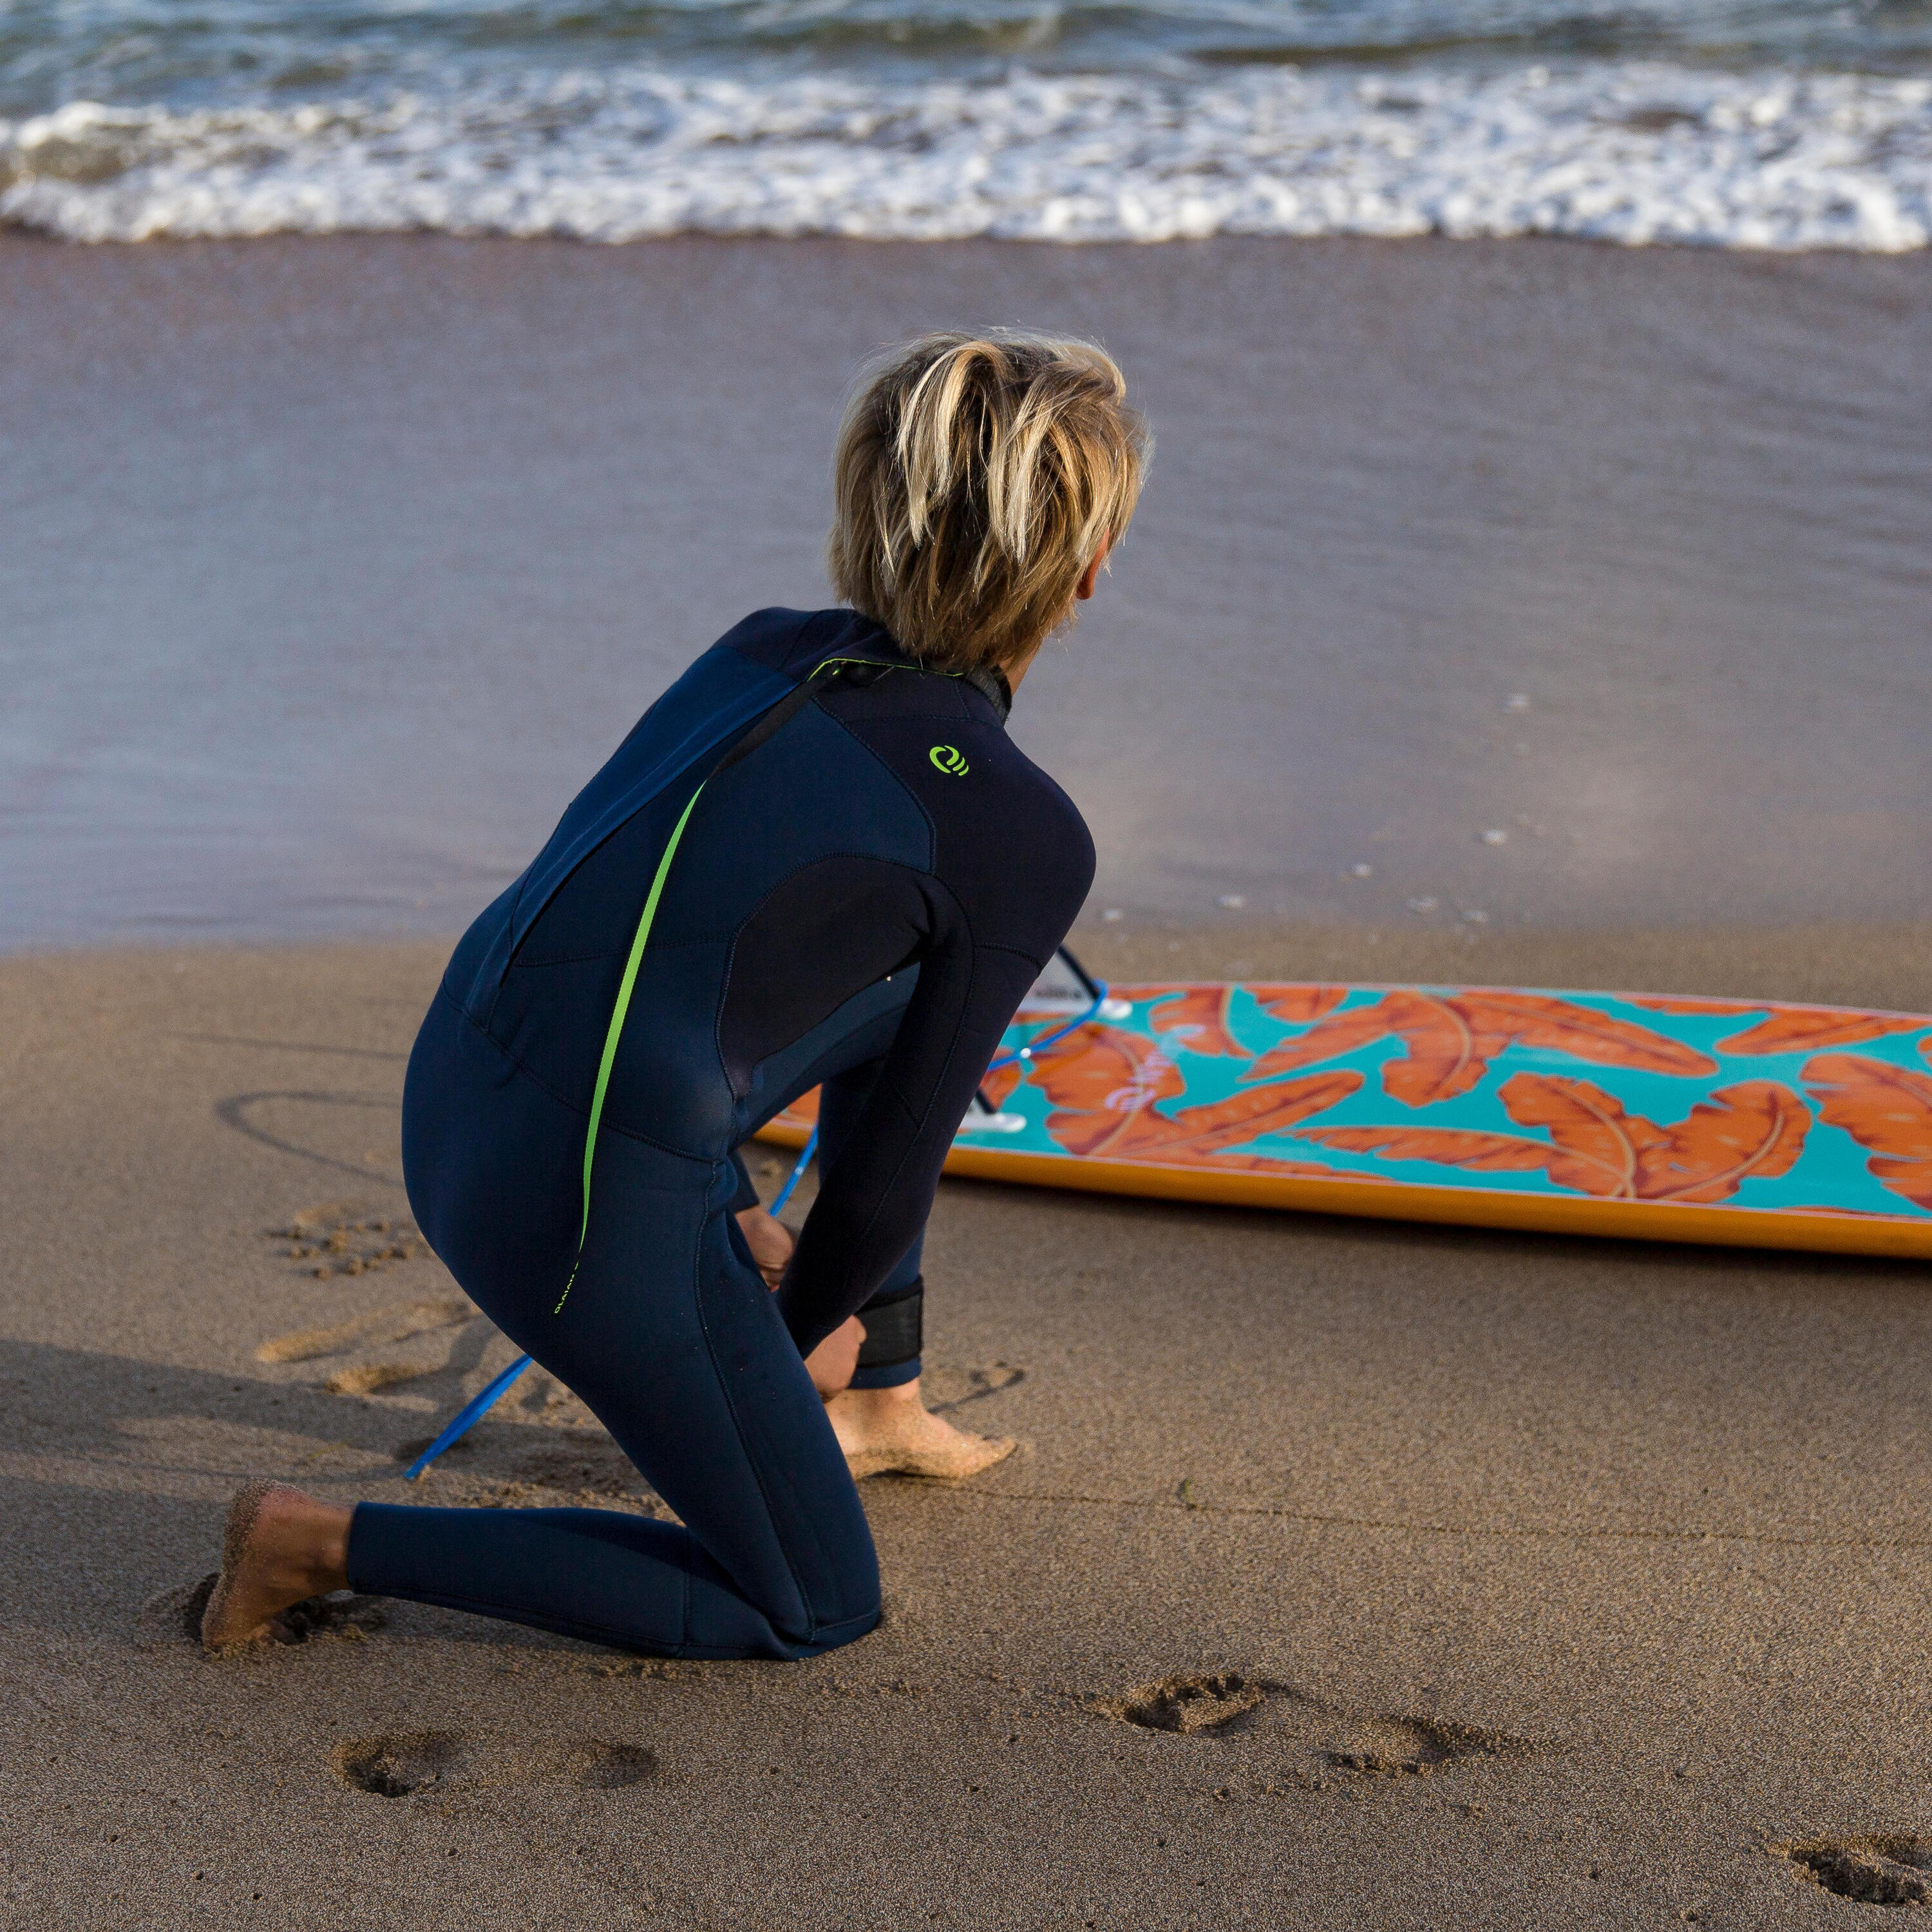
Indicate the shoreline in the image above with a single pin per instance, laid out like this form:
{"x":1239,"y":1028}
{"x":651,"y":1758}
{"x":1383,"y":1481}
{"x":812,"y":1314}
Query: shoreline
{"x":1882,"y":967}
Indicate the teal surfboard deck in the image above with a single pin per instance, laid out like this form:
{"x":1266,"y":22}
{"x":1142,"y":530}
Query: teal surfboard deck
{"x":1745,"y":1122}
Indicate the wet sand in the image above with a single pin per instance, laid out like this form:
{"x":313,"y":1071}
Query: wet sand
{"x":335,"y":566}
{"x":1348,"y":1574}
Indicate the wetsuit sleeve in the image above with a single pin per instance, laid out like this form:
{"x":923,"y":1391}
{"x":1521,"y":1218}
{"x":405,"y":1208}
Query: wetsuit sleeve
{"x":875,"y":1198}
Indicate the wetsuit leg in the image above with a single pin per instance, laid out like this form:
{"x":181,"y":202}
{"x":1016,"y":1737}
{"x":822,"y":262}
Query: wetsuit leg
{"x":672,"y":1340}
{"x":893,"y":1316}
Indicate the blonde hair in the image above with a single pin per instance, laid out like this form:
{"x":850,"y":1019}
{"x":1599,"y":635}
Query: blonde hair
{"x":977,"y":476}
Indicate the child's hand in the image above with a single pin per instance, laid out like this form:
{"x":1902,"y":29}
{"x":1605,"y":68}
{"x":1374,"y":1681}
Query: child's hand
{"x":770,"y":1241}
{"x":833,"y":1364}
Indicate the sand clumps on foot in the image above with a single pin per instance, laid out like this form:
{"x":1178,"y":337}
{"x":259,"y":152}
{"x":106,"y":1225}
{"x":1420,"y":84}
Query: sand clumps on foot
{"x":268,"y":1563}
{"x":965,"y":1455}
{"x":884,"y":1437}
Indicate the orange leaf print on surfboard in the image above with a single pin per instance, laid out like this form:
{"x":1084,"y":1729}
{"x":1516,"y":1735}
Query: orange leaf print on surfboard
{"x":1207,"y":1011}
{"x":1805,"y":1029}
{"x":1453,"y":1147}
{"x":1098,"y":1077}
{"x":1328,"y":1041}
{"x":1540,"y":1019}
{"x":999,"y":1082}
{"x":1242,"y":1117}
{"x":1298,"y":1004}
{"x":1104,"y":1084}
{"x":1886,"y":1109}
{"x":1690,"y":1003}
{"x":1754,"y":1130}
{"x":1595,"y":1146}
{"x":1197,"y":1019}
{"x":1452,"y":1037}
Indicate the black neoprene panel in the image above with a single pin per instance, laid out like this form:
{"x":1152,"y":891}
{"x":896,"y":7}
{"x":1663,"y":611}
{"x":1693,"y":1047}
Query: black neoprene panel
{"x":1011,"y":863}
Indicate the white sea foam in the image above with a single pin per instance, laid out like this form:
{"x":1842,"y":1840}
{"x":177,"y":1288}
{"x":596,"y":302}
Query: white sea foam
{"x":1618,"y":151}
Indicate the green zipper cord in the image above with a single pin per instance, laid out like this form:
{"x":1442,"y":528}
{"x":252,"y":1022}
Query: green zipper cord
{"x":615,"y":1032}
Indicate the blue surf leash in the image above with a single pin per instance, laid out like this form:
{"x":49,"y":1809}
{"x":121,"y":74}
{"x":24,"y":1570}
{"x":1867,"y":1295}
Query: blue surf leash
{"x":486,"y":1399}
{"x":471,"y":1412}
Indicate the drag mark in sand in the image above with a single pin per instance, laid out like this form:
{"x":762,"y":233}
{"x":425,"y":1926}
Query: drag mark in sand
{"x":1881,"y":1868}
{"x":947,"y":1387}
{"x":1184,"y":1502}
{"x":235,"y":1112}
{"x":394,"y":1323}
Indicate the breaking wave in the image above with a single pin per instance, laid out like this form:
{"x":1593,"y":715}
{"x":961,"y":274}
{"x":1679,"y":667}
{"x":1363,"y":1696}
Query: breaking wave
{"x":1624,"y":152}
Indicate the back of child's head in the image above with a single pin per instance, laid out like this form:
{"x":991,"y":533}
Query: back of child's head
{"x":977,"y":478}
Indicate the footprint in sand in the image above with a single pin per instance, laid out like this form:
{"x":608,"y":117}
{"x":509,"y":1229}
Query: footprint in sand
{"x":1357,"y":1745}
{"x":397,"y":1765}
{"x":396,"y":1323}
{"x":1187,"y":1704}
{"x":596,"y":1764}
{"x":345,"y":1237}
{"x":379,"y":1327}
{"x":1880,"y":1868}
{"x":1414,"y":1747}
{"x":404,"y":1764}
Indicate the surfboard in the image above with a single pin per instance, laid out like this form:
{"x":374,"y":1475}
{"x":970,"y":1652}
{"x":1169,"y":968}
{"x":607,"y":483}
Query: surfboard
{"x":1744,"y":1123}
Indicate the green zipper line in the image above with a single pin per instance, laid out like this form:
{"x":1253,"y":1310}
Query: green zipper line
{"x":615,"y":1032}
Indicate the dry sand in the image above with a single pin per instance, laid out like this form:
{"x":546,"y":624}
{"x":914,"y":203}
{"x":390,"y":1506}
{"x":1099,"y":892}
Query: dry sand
{"x":1349,"y":1574}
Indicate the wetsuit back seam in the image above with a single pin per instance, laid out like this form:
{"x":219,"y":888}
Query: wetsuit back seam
{"x":522,"y":965}
{"x":911,"y":797}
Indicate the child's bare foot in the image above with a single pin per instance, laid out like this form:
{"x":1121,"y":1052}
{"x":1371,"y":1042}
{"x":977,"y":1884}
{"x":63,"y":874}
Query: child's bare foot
{"x":892,"y":1431}
{"x":279,"y":1547}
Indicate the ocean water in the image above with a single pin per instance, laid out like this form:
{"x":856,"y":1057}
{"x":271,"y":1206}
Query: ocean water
{"x":1477,"y":586}
{"x":1750,"y":123}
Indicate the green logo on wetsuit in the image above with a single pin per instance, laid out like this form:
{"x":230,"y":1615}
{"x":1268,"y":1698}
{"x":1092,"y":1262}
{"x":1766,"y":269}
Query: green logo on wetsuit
{"x":949,"y":760}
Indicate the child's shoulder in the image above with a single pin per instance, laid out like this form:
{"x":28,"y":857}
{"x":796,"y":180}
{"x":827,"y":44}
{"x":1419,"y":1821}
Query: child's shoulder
{"x":792,"y":641}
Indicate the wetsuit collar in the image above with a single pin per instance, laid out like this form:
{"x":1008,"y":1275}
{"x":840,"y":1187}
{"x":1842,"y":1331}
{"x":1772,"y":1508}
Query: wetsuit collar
{"x":992,"y":685}
{"x":881,"y":647}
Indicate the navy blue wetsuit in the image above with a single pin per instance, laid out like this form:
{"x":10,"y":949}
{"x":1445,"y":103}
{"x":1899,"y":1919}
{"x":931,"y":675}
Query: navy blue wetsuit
{"x":861,"y":899}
